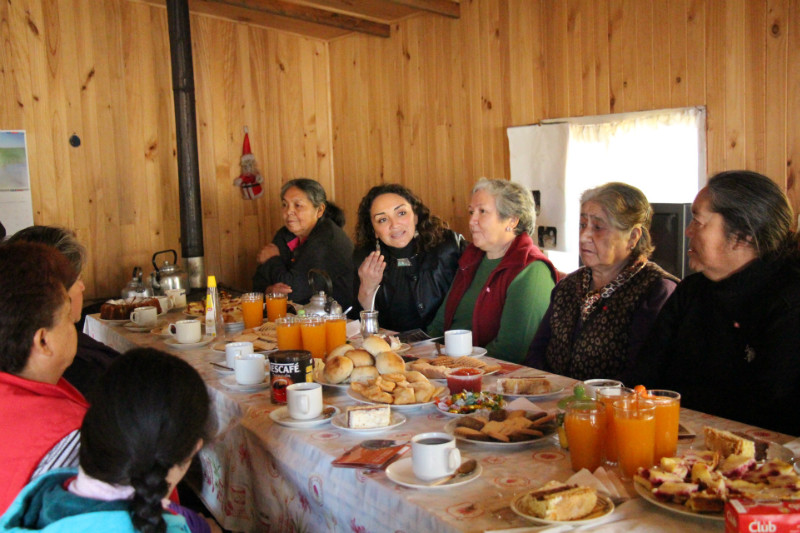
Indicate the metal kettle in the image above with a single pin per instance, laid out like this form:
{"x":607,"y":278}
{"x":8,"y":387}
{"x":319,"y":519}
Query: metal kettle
{"x":168,"y":275}
{"x":135,"y":286}
{"x":321,"y":304}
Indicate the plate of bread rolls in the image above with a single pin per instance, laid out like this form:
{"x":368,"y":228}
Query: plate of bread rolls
{"x":347,"y":364}
{"x":402,"y":390}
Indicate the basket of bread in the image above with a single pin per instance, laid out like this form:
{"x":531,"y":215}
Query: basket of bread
{"x":732,"y":466}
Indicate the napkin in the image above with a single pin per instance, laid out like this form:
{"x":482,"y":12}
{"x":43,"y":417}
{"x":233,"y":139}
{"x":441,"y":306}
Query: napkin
{"x":602,"y":480}
{"x":353,"y":328}
{"x":523,"y":404}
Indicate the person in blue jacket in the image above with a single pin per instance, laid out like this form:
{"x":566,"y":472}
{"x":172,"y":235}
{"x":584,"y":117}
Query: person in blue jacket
{"x":146,"y":422}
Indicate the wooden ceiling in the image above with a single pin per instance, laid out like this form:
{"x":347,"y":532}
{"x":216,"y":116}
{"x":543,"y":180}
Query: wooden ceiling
{"x":322,"y":19}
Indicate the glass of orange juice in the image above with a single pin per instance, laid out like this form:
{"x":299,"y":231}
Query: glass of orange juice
{"x":253,"y":309}
{"x":312,"y":329}
{"x":335,"y":332}
{"x":635,"y":426}
{"x":287,"y":329}
{"x":608,"y":395}
{"x":668,"y":411}
{"x":585,"y":424}
{"x":276,"y":305}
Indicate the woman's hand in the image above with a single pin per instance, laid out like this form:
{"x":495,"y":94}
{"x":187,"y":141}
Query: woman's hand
{"x":370,"y":273}
{"x":267,"y":252}
{"x":279,"y":287}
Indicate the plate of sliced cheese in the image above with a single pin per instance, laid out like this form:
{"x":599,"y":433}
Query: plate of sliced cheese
{"x":368,"y":418}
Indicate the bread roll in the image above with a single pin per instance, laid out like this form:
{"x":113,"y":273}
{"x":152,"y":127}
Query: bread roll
{"x":341,"y":350}
{"x":360,"y":358}
{"x":337,"y":369}
{"x":389,"y":362}
{"x":404,"y":396}
{"x":363,"y":374}
{"x":375,"y":345}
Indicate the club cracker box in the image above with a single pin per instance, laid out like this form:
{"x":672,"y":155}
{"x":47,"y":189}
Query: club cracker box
{"x":746,"y":516}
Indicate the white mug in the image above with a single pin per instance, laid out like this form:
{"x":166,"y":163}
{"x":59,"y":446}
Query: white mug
{"x":591,"y":385}
{"x":458,"y":342}
{"x":250,"y":369}
{"x":232,"y":349}
{"x":177,"y":297}
{"x":165,"y":303}
{"x":186,"y":331}
{"x":144,"y":316}
{"x":304,"y":400}
{"x":434,"y":455}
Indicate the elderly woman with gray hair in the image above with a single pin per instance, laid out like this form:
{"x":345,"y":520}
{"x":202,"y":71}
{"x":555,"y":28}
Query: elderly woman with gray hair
{"x":601,"y":314}
{"x":504,"y":281}
{"x":728,"y":339}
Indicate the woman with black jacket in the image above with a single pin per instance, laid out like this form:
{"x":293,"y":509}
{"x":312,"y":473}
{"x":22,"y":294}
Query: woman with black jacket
{"x":406,"y":255}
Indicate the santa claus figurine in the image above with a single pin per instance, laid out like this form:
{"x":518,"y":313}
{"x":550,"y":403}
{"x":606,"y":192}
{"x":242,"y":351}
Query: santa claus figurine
{"x":250,"y":180}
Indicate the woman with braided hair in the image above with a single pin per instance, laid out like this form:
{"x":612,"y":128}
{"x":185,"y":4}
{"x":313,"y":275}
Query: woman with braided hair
{"x":146,"y":422}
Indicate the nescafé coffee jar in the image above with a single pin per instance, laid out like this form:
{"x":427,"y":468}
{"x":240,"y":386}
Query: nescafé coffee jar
{"x":287,"y":367}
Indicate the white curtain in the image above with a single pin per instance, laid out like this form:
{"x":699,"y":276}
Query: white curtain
{"x":660,"y":152}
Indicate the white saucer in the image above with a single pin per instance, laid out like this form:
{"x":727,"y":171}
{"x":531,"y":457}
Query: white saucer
{"x":281,"y":416}
{"x":477,"y":351}
{"x":340,"y":421}
{"x":229,"y":382}
{"x":402,"y":473}
{"x":222,"y":371}
{"x":173,"y":343}
{"x":114,"y":322}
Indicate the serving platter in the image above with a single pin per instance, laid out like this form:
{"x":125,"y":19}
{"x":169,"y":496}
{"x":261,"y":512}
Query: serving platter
{"x":546,"y":439}
{"x":402,"y":473}
{"x":340,"y":421}
{"x":675,"y":507}
{"x":603,"y":508}
{"x":405,"y":407}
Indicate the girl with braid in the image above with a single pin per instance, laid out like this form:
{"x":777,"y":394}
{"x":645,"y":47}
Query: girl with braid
{"x":146,"y":422}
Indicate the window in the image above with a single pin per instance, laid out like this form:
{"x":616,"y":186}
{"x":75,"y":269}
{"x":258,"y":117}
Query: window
{"x":660,"y":152}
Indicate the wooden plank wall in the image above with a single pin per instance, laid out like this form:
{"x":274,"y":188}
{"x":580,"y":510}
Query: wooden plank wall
{"x":101,"y":69}
{"x":429,"y":107}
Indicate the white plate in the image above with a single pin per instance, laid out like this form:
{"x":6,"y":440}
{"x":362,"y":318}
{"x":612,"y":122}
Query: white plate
{"x":229,"y":382}
{"x":606,"y":507}
{"x":477,"y":351}
{"x":340,"y":421}
{"x":407,"y":407}
{"x":529,"y":396}
{"x":281,"y":416}
{"x":319,"y":378}
{"x":173,"y":343}
{"x":402,"y":473}
{"x":136,"y":328}
{"x":675,"y":507}
{"x":547,"y":439}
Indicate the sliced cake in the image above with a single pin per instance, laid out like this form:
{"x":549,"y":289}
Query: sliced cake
{"x":557,"y":501}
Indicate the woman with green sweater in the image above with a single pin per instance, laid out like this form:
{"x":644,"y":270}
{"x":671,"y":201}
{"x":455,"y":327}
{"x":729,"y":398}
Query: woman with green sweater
{"x":502,"y":288}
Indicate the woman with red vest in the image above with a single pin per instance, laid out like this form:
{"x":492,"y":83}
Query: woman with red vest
{"x":502,"y":288}
{"x":40,"y":412}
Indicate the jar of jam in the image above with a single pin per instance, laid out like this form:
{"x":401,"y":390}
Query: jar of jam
{"x":465,"y":379}
{"x":287,"y":367}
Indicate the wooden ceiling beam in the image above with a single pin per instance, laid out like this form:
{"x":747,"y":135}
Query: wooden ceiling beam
{"x":448,"y":8}
{"x":310,"y":14}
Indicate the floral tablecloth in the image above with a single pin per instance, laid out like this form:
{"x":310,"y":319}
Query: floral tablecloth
{"x":260,"y":476}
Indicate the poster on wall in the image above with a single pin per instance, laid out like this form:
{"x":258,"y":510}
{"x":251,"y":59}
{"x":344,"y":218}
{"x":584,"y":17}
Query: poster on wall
{"x":16,"y":207}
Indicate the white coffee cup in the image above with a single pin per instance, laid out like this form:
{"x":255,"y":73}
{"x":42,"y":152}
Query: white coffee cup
{"x":144,"y":316}
{"x":434,"y":455}
{"x":165,"y":303}
{"x":232,"y":349}
{"x":458,"y":342}
{"x":250,"y":369}
{"x":304,"y":400}
{"x":591,"y":386}
{"x":186,"y":331}
{"x":177,"y":297}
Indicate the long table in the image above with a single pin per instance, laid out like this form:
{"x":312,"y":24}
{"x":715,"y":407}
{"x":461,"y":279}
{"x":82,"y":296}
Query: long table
{"x":260,"y":476}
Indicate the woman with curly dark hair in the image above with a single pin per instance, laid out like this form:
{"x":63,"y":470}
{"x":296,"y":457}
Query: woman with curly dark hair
{"x":406,"y":255}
